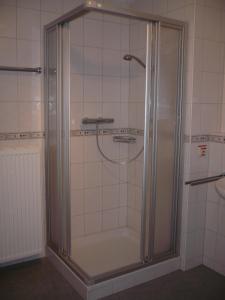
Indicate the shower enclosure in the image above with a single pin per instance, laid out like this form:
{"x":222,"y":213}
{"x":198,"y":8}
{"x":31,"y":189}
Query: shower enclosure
{"x":113,"y":89}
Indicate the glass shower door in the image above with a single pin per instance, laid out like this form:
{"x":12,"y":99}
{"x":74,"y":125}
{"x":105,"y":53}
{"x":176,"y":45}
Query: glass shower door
{"x":112,"y":188}
{"x":56,"y":204}
{"x":107,"y":80}
{"x":166,"y":145}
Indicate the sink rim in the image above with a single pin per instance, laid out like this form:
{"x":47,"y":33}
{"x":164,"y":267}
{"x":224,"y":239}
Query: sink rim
{"x":220,"y":187}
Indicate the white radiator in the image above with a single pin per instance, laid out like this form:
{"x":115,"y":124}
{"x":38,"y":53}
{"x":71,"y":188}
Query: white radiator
{"x":21,"y":219}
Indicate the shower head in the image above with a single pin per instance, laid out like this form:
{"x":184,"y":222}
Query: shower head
{"x":129,"y":57}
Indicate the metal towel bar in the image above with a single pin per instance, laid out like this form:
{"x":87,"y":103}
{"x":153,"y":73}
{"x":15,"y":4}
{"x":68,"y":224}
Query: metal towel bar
{"x":205,"y":179}
{"x":86,"y":121}
{"x":21,"y":69}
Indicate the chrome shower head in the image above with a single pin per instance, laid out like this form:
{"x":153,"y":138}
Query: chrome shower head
{"x":129,"y":57}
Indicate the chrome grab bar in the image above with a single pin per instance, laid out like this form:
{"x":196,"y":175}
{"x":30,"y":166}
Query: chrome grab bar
{"x":205,"y":179}
{"x":87,"y":121}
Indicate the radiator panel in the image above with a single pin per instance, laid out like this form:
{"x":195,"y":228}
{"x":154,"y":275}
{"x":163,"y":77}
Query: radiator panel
{"x":21,"y":219}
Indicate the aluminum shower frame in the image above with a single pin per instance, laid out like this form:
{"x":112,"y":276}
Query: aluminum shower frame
{"x":154,"y":24}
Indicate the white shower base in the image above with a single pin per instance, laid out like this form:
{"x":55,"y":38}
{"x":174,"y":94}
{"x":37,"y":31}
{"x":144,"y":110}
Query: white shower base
{"x":106,"y":251}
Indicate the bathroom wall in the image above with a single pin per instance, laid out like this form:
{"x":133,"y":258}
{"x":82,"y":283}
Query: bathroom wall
{"x":99,"y":88}
{"x":21,"y":94}
{"x":136,"y":112}
{"x":214,"y":244}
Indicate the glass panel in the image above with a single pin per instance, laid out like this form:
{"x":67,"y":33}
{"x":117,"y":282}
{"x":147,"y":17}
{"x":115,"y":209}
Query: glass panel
{"x":53,"y":191}
{"x":166,"y":139}
{"x":105,"y":196}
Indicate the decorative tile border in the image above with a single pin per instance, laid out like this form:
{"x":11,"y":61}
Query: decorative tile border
{"x":207,"y":138}
{"x":21,"y":135}
{"x":199,"y":138}
{"x":40,"y":135}
{"x":111,"y":131}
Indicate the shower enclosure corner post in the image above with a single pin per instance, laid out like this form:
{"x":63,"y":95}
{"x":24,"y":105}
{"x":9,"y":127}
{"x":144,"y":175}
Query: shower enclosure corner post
{"x":147,"y":137}
{"x":57,"y":137}
{"x":180,"y":142}
{"x":66,"y":134}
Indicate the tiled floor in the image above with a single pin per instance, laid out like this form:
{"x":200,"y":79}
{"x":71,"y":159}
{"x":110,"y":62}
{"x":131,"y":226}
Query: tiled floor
{"x":40,"y":281}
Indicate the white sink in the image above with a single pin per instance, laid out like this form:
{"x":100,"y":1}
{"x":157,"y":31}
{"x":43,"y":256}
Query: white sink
{"x":220,"y":187}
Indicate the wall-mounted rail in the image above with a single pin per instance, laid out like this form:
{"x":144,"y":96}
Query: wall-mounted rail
{"x":87,"y":121}
{"x":21,"y":69}
{"x":205,"y":179}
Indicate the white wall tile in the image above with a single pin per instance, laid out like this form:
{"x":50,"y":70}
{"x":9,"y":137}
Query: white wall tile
{"x":77,"y":202}
{"x":77,"y":32}
{"x":8,"y":21}
{"x":92,"y":174}
{"x":76,"y":114}
{"x":213,"y":56}
{"x":32,"y":4}
{"x":30,"y":116}
{"x":212,"y":216}
{"x":110,"y":173}
{"x":76,"y":59}
{"x":220,"y":249}
{"x":93,"y":30}
{"x":93,"y":223}
{"x":210,"y":244}
{"x":124,"y":32}
{"x":77,"y":176}
{"x":111,"y":89}
{"x":9,"y":120}
{"x":111,"y":62}
{"x":110,"y":197}
{"x":76,"y":91}
{"x":92,"y":88}
{"x":91,"y":152}
{"x":8,"y":51}
{"x":122,"y":217}
{"x":28,"y":54}
{"x":92,"y":61}
{"x":221,"y":227}
{"x":77,"y":149}
{"x":92,"y":200}
{"x":29,"y":87}
{"x":111,"y":35}
{"x":52,"y":5}
{"x":77,"y":226}
{"x":8,"y":86}
{"x":123,"y":195}
{"x":28,"y":24}
{"x":110,"y":219}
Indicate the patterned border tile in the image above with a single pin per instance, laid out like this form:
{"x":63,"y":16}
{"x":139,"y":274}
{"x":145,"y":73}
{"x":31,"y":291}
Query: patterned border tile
{"x":199,"y":138}
{"x":107,"y":131}
{"x":40,"y":135}
{"x":21,"y":135}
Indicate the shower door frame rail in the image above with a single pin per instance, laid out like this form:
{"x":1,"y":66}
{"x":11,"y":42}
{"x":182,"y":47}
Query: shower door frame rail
{"x":154,"y":23}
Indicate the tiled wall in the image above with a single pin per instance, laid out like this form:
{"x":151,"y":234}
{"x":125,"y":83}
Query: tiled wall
{"x":99,"y":88}
{"x":138,"y":32}
{"x":214,"y":244}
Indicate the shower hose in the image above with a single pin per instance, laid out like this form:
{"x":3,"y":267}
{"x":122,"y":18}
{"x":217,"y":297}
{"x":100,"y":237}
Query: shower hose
{"x":117,"y":162}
